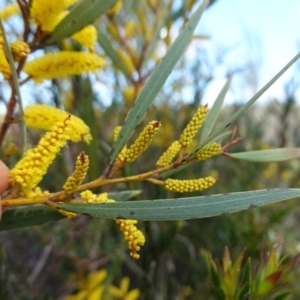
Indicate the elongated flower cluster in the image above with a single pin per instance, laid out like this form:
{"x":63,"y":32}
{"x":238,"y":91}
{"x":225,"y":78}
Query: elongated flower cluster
{"x":143,"y":141}
{"x":30,"y":170}
{"x":122,"y":154}
{"x":90,"y":197}
{"x":167,"y":157}
{"x":9,"y":10}
{"x":127,"y":61}
{"x":42,"y":116}
{"x":61,"y":64}
{"x":134,"y":237}
{"x":208,"y":151}
{"x":193,"y":126}
{"x":193,"y":185}
{"x":45,"y":13}
{"x":87,"y":37}
{"x":4,"y":65}
{"x":76,"y":179}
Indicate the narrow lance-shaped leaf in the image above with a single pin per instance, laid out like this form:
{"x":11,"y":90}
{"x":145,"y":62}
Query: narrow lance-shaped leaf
{"x":28,"y":216}
{"x":271,"y":155}
{"x":84,"y":13}
{"x":184,"y":208}
{"x":213,"y":113}
{"x":111,"y":53}
{"x":251,"y":101}
{"x":156,"y":81}
{"x":15,"y":81}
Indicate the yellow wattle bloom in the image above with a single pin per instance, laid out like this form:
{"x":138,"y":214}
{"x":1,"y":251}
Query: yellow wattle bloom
{"x":90,"y":197}
{"x":19,"y":50}
{"x":134,"y":237}
{"x":208,"y":151}
{"x":87,"y":37}
{"x":30,"y":170}
{"x":43,"y":116}
{"x":63,"y":63}
{"x":193,"y":185}
{"x":143,"y":141}
{"x":76,"y":179}
{"x":44,"y":13}
{"x":9,"y":10}
{"x":4,"y":65}
{"x":193,"y":126}
{"x":167,"y":157}
{"x":126,"y":59}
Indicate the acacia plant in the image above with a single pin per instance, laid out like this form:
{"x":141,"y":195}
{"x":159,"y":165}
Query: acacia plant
{"x":53,"y":27}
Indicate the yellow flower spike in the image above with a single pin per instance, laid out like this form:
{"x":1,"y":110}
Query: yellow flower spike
{"x":9,"y":10}
{"x":19,"y":50}
{"x":30,"y":170}
{"x":130,"y":27}
{"x":4,"y":65}
{"x":193,"y":185}
{"x":116,"y":8}
{"x":44,"y":13}
{"x":143,"y":23}
{"x":123,"y":292}
{"x":117,"y":131}
{"x":37,"y":192}
{"x":112,"y":29}
{"x":193,"y":126}
{"x":87,"y":36}
{"x":208,"y":151}
{"x":88,"y":196}
{"x":121,"y":155}
{"x":132,"y":235}
{"x":128,"y":94}
{"x":76,"y":179}
{"x":61,"y":64}
{"x":143,"y":141}
{"x":126,"y":59}
{"x":42,"y":116}
{"x":103,"y":198}
{"x":167,"y":157}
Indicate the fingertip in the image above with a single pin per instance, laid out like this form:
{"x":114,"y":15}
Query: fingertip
{"x":4,"y":171}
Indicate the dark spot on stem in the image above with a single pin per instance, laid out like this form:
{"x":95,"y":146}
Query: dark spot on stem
{"x":132,"y":213}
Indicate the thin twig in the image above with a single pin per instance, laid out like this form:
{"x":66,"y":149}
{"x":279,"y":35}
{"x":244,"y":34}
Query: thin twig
{"x":15,"y":91}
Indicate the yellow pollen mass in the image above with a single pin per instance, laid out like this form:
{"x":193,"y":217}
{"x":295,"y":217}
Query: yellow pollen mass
{"x":193,"y":185}
{"x":167,"y":157}
{"x":208,"y":151}
{"x":19,"y":50}
{"x":9,"y":10}
{"x":63,"y":63}
{"x":30,"y":170}
{"x":134,"y":237}
{"x":143,"y":141}
{"x":4,"y":65}
{"x":44,"y":13}
{"x":193,"y":126}
{"x":76,"y":179}
{"x":44,"y":116}
{"x":87,"y":36}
